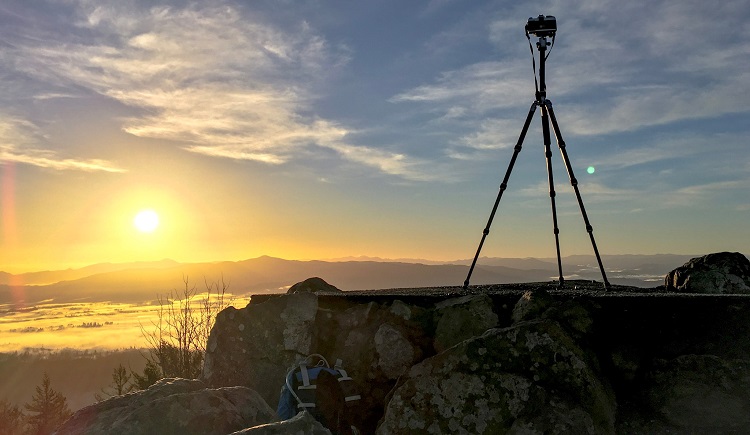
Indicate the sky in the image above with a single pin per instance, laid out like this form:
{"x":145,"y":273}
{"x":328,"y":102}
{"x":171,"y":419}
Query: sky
{"x":327,"y":129}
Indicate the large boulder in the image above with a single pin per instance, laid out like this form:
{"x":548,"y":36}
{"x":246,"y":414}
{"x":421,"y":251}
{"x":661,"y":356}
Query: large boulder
{"x":257,"y":345}
{"x":172,"y":406}
{"x":313,"y":285}
{"x":528,"y":378}
{"x":722,"y":272}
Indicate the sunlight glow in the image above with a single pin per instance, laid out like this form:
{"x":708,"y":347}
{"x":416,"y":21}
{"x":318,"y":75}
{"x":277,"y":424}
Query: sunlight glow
{"x":146,"y":221}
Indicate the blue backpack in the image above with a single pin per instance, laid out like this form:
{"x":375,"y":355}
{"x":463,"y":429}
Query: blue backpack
{"x":327,"y":393}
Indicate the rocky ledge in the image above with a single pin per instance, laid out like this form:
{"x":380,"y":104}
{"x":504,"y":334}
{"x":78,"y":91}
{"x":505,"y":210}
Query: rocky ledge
{"x":521,"y":359}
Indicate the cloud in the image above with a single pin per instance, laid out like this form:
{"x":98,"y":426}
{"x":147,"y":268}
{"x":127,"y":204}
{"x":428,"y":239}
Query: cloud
{"x":488,"y":85}
{"x":640,"y":107}
{"x":710,"y":188}
{"x":18,"y":144}
{"x":657,"y":150}
{"x":616,"y":66}
{"x":492,"y":134}
{"x":388,"y":162}
{"x":596,"y":192}
{"x":218,"y":81}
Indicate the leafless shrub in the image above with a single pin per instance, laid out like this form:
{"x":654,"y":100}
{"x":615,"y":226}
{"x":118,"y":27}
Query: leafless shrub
{"x":177,"y":339}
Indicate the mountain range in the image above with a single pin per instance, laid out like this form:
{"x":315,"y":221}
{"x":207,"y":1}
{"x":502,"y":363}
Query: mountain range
{"x":144,"y":281}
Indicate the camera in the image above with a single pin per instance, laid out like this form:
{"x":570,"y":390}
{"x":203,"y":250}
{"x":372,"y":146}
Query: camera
{"x":542,"y":26}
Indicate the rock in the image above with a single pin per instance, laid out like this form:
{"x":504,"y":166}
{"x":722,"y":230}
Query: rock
{"x":574,"y":315}
{"x":626,"y":362}
{"x":395,"y":352}
{"x":378,"y":343}
{"x":528,"y":378}
{"x":531,"y":305}
{"x":303,"y":424}
{"x":312,"y":285}
{"x":700,"y":393}
{"x":173,"y":406}
{"x":462,"y":318}
{"x":722,"y":272}
{"x":255,"y":346}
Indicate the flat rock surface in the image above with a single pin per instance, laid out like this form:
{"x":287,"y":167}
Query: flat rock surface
{"x":571,"y":289}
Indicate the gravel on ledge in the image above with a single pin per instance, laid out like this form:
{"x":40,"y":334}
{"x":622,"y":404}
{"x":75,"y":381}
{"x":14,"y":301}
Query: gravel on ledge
{"x":570,"y":289}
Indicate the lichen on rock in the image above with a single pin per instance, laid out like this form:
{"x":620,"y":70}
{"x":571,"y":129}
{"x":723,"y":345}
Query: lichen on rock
{"x":395,"y":352}
{"x":720,"y":272}
{"x":461,"y":318}
{"x":182,"y":406}
{"x":508,"y":378}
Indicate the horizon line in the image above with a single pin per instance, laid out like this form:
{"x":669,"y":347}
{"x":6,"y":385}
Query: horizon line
{"x":352,"y":258}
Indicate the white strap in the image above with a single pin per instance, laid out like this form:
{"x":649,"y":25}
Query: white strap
{"x":352,"y":398}
{"x":344,"y":375}
{"x":305,"y":375}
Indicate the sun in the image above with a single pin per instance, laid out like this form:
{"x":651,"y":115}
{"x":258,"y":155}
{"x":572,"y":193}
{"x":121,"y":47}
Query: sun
{"x":146,"y":221}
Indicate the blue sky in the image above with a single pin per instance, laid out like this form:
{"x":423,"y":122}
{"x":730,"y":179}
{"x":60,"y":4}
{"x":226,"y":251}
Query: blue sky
{"x":314,"y":129}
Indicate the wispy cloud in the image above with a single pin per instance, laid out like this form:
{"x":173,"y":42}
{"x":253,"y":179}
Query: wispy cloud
{"x":590,"y":191}
{"x":661,"y":149}
{"x":18,"y":144}
{"x":210,"y":77}
{"x":654,"y":65}
{"x":491,"y":134}
{"x":709,"y":188}
{"x":487,"y":85}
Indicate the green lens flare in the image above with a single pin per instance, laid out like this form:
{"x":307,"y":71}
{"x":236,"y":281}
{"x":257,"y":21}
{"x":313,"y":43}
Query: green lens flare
{"x":590,"y":170}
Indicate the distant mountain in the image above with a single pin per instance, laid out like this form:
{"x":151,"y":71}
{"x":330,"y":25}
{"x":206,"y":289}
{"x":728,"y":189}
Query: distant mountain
{"x":51,"y":277}
{"x":143,"y":281}
{"x":516,"y":263}
{"x":390,"y":260}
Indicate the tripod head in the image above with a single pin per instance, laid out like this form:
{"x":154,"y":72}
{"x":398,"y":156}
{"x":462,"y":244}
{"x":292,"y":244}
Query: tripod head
{"x":541,"y":27}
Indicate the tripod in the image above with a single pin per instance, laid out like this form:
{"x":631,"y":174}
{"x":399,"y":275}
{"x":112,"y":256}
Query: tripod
{"x":547,"y":115}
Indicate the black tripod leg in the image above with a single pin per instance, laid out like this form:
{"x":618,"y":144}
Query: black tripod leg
{"x":550,"y":178}
{"x":503,"y":186}
{"x":574,"y":183}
